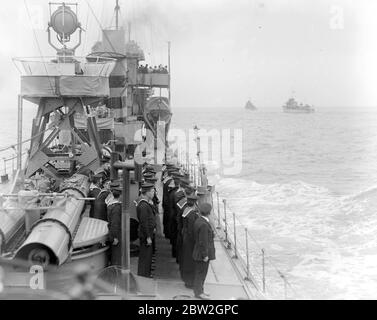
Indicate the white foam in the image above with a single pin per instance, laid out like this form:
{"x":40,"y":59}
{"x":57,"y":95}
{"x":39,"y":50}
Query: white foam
{"x":326,"y":243}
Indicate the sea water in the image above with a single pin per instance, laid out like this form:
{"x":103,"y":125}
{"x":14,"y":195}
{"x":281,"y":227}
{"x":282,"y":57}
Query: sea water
{"x":307,"y":192}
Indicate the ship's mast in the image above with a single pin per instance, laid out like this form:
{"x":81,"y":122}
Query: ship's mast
{"x":117,"y":10}
{"x":169,"y":69}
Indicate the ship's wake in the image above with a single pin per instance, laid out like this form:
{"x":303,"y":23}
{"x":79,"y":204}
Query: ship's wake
{"x":325,"y":243}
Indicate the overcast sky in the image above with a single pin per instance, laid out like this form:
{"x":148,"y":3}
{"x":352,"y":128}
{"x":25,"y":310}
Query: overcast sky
{"x":227,"y":51}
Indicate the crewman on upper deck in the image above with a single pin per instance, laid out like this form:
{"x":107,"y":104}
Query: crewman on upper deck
{"x":147,"y":228}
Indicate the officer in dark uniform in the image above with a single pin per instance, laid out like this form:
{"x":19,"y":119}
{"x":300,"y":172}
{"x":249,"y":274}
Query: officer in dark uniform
{"x":187,"y":265}
{"x":156,"y":202}
{"x":147,"y":227}
{"x":167,"y":181}
{"x":174,"y":197}
{"x":204,"y":249}
{"x":167,"y":188}
{"x":94,"y":190}
{"x":114,"y":218}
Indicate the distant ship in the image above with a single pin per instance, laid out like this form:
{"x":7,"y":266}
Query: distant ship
{"x":292,"y":106}
{"x":250,"y":106}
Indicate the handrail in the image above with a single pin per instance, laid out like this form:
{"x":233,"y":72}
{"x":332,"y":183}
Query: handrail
{"x":266,"y":260}
{"x":263,"y":277}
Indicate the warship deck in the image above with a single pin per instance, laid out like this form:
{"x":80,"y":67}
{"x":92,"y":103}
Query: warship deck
{"x":222,"y":283}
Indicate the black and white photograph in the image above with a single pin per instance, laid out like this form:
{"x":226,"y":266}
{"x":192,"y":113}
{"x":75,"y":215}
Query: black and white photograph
{"x":204,"y":152}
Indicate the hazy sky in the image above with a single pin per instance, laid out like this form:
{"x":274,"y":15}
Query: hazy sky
{"x":226,"y":51}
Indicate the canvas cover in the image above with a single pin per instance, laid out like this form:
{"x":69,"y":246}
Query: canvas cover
{"x":79,"y":86}
{"x":102,"y":123}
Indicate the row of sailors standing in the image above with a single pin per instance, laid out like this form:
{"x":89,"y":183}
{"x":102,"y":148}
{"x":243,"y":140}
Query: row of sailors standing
{"x":147,"y":213}
{"x":155,"y":69}
{"x":108,"y":207}
{"x":187,"y":227}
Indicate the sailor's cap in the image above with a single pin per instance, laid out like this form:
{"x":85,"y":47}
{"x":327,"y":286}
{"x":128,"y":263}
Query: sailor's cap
{"x":205,"y":208}
{"x":177,"y":174}
{"x":184,"y":181}
{"x":147,"y":186}
{"x":201,"y":190}
{"x":192,"y":197}
{"x":148,"y":175}
{"x":149,"y":169}
{"x":114,"y":184}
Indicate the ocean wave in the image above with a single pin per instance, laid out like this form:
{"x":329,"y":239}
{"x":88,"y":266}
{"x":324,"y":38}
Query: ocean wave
{"x":316,"y":235}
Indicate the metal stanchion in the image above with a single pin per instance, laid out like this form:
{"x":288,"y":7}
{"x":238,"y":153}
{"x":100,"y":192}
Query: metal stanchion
{"x":218,"y":212}
{"x":235,"y":236}
{"x":247,"y":256}
{"x":226,"y":226}
{"x":263,"y":273}
{"x":285,"y":284}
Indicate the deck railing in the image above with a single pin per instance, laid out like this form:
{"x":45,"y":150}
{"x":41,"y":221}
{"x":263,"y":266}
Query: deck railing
{"x":258,"y":267}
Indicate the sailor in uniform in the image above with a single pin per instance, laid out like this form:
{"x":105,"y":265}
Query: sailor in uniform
{"x":156,"y":201}
{"x":114,"y":218}
{"x":94,"y":190}
{"x":180,"y":207}
{"x":104,"y":169}
{"x":189,"y":216}
{"x":174,"y":197}
{"x":100,"y":205}
{"x":167,"y":186}
{"x":168,"y":189}
{"x":204,"y":249}
{"x":147,"y":228}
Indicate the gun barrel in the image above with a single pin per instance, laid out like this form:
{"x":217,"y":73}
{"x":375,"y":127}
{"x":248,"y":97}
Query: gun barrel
{"x":50,"y":239}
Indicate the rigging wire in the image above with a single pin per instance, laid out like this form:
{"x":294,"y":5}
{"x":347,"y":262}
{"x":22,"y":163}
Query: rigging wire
{"x":86,"y":34}
{"x":99,"y":23}
{"x":38,"y":45}
{"x":13,"y":146}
